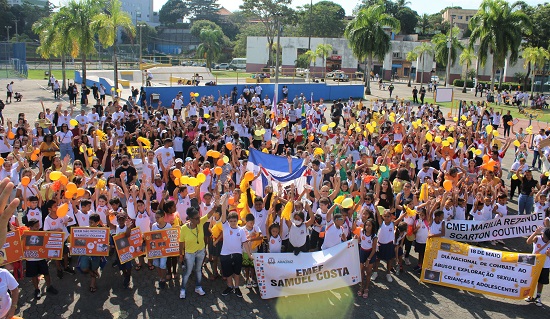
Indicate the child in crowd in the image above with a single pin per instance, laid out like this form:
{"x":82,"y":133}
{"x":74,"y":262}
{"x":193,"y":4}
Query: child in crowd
{"x":38,"y":267}
{"x":90,"y":264}
{"x":540,"y":239}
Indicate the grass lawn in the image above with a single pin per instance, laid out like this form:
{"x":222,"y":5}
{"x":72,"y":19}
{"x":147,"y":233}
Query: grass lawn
{"x":230,"y":74}
{"x":503,"y":109}
{"x":39,"y":74}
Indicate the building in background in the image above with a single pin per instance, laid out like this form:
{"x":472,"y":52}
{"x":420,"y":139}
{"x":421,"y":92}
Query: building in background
{"x":461,"y":17}
{"x":141,"y":11}
{"x":38,"y":3}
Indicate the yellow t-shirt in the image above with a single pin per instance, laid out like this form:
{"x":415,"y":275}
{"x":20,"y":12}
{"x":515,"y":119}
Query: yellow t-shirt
{"x":193,"y":238}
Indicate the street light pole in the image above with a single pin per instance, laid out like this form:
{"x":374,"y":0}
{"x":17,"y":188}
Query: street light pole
{"x":275,"y":96}
{"x":449,"y":47}
{"x":8,"y":27}
{"x":16,"y":33}
{"x":140,"y":53}
{"x":310,"y":17}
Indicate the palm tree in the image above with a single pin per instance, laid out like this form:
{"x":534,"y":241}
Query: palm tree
{"x":210,"y":48}
{"x":322,"y":51}
{"x":498,"y":28}
{"x":108,"y":23}
{"x":411,"y":56}
{"x":440,"y":42}
{"x":467,"y":57}
{"x":76,"y":24}
{"x":536,"y":56}
{"x":311,"y":58}
{"x":53,"y":43}
{"x":367,"y":36}
{"x":422,"y":50}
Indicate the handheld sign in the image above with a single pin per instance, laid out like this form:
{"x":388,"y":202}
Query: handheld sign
{"x":12,"y":250}
{"x":89,"y":241}
{"x":129,"y":248}
{"x":162,"y":243}
{"x":42,"y":245}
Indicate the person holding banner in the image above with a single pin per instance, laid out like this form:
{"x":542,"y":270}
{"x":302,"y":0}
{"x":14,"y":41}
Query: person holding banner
{"x":90,"y":264}
{"x":192,"y":246}
{"x":540,"y":239}
{"x":59,"y":224}
{"x":38,"y":267}
{"x":368,"y":240}
{"x":386,"y":241}
{"x":160,"y":263}
{"x":124,"y":226}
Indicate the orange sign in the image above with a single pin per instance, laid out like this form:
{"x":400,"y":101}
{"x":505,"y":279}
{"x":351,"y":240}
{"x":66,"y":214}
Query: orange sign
{"x":12,"y":250}
{"x":129,"y":248}
{"x":89,"y":241}
{"x":42,"y":245}
{"x":162,"y":243}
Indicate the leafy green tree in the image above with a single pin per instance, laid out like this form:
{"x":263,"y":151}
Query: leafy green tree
{"x":424,"y":24}
{"x":198,"y":25}
{"x":408,"y":19}
{"x":270,"y":13}
{"x":250,"y":30}
{"x":211,"y":47}
{"x":311,"y":57}
{"x":497,"y":27}
{"x":440,"y":41}
{"x":467,"y":58}
{"x":368,"y":38}
{"x":536,"y":56}
{"x":203,"y":9}
{"x":172,"y":11}
{"x":108,"y":23}
{"x":325,"y":20}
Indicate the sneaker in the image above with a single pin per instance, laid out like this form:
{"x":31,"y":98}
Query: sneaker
{"x":227,"y":291}
{"x":69,"y":270}
{"x":52,"y":290}
{"x":389,"y":278}
{"x":60,"y":274}
{"x":407,"y":261}
{"x":162,"y":284}
{"x":398,"y":271}
{"x":254,"y":284}
{"x":37,"y":294}
{"x":200,"y":291}
{"x":238,"y":292}
{"x":530,"y":299}
{"x":249,"y":284}
{"x":374,"y":276}
{"x":182,"y":293}
{"x":494,"y":243}
{"x":538,"y":302}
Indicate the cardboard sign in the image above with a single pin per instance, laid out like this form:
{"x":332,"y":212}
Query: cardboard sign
{"x":12,"y":250}
{"x":89,"y":241}
{"x":162,"y":243}
{"x":42,"y":245}
{"x":129,"y":248}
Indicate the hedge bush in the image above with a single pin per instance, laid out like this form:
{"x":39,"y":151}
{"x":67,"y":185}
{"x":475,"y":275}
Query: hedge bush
{"x":470,"y":84}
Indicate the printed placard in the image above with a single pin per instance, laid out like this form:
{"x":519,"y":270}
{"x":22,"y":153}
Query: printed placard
{"x":89,"y":241}
{"x":162,"y":243}
{"x":42,"y":245}
{"x":129,"y":248}
{"x":12,"y":250}
{"x":486,"y":271}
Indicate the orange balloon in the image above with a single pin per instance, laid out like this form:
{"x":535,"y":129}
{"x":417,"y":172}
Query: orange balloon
{"x":485,"y":158}
{"x":177,"y":173}
{"x":448,"y":185}
{"x":248,"y":176}
{"x":216,"y":154}
{"x":231,"y":200}
{"x":63,"y":180}
{"x":80,"y":192}
{"x":62,"y":210}
{"x":218,"y":170}
{"x":209,"y":153}
{"x":25,"y":181}
{"x":357,"y":231}
{"x":34,"y":157}
{"x":311,"y":137}
{"x":220,"y":162}
{"x":206,"y":171}
{"x":229,"y":146}
{"x":36,"y":151}
{"x":69,"y":194}
{"x":71,"y":187}
{"x":11,"y":136}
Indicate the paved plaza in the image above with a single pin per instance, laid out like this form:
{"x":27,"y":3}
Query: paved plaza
{"x":403,"y":298}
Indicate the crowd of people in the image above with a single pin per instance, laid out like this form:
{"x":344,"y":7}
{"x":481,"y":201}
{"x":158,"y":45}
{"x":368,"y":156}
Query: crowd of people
{"x":386,"y":173}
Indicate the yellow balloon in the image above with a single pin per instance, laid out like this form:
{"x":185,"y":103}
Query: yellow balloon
{"x":184,"y":180}
{"x":373,"y":124}
{"x":206,"y":116}
{"x":358,"y":129}
{"x":339,"y":199}
{"x":445,"y":143}
{"x":374,"y":167}
{"x":450,"y":139}
{"x":73,"y":122}
{"x":332,"y":124}
{"x":489,"y":129}
{"x":225,"y":159}
{"x":55,"y":175}
{"x":383,"y":169}
{"x":546,"y":174}
{"x":442,"y":127}
{"x":496,"y":133}
{"x":469,"y":123}
{"x":437,"y":139}
{"x":324,"y":128}
{"x":455,"y":118}
{"x":451,"y":129}
{"x":477,"y":152}
{"x":318,"y":151}
{"x":514,"y":176}
{"x":193,"y":182}
{"x":347,"y":203}
{"x":460,"y":144}
{"x":516,"y":143}
{"x":464,"y":117}
{"x":201,"y":177}
{"x":429,"y":137}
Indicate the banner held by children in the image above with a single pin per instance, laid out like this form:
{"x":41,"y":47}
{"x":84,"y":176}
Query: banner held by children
{"x":286,"y":274}
{"x":486,"y":271}
{"x":162,"y":243}
{"x":12,"y":250}
{"x":43,"y":245}
{"x":129,"y":248}
{"x":90,"y":241}
{"x":500,"y":228}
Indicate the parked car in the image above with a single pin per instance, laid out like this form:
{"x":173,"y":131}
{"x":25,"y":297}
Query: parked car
{"x":435,"y":79}
{"x":301,"y":72}
{"x":340,"y":77}
{"x":333,"y":73}
{"x":222,"y":66}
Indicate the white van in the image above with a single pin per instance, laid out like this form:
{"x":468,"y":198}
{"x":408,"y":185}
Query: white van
{"x":238,"y":63}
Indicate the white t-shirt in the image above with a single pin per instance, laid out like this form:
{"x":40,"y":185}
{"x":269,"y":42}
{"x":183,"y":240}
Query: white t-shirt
{"x":333,"y":236}
{"x":143,"y":222}
{"x":422,"y":232}
{"x":233,"y":239}
{"x":83,"y":218}
{"x":166,"y":154}
{"x":538,"y":245}
{"x":65,"y":137}
{"x":260,"y":219}
{"x":58,"y":223}
{"x":35,"y":214}
{"x":7,"y":283}
{"x":297,"y":235}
